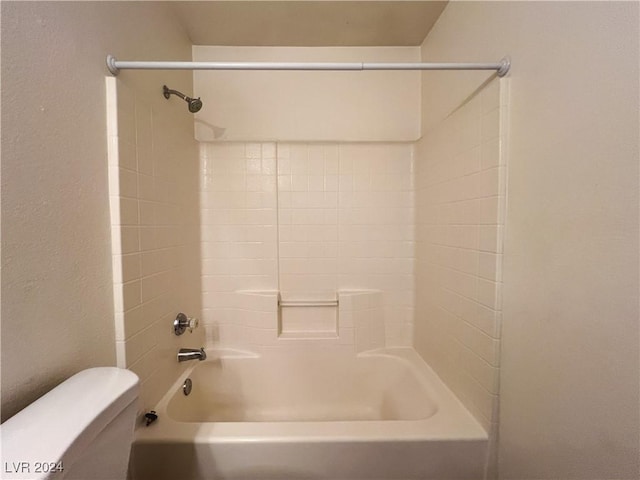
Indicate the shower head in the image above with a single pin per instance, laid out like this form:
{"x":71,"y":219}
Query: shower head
{"x":194,"y":104}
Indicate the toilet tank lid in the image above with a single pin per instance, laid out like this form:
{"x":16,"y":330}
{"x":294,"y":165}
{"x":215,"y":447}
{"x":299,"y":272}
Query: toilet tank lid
{"x":70,"y":415}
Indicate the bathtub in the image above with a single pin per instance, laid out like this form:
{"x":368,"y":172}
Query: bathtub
{"x":315,"y":415}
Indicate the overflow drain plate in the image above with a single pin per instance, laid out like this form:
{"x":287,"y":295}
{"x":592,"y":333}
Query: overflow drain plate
{"x":186,"y":386}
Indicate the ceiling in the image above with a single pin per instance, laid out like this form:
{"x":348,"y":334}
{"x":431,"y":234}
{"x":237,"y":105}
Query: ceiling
{"x":308,"y":23}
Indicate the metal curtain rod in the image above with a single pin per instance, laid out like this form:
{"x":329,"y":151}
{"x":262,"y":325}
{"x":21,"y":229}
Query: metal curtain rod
{"x":114,"y":66}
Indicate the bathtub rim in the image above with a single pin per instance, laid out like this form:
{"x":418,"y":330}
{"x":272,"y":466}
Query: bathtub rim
{"x":452,"y":421}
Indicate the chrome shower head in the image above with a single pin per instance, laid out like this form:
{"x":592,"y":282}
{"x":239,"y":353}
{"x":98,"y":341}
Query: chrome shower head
{"x":195,"y":104}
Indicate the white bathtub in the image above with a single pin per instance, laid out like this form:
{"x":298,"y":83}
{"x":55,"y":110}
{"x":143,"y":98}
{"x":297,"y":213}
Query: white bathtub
{"x":379,"y":415}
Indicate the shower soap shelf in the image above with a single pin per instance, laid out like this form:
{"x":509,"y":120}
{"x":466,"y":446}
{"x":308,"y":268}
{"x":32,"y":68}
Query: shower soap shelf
{"x":308,"y":303}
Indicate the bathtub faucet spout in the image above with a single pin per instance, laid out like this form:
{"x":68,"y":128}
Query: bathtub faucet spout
{"x":191,"y":354}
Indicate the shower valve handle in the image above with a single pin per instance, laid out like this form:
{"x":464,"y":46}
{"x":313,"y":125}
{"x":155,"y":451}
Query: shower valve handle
{"x":182,"y":323}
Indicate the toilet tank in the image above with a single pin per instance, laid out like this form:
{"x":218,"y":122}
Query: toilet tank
{"x":82,"y":429}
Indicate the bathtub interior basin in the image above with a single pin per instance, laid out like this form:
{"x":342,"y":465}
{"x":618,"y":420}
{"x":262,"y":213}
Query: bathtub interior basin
{"x":381,"y":415}
{"x":310,"y":387}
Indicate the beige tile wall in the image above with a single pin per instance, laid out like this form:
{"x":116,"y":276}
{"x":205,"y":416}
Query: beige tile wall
{"x":238,"y":216}
{"x":308,"y":221}
{"x":153,"y":187}
{"x":376,"y":229}
{"x":460,"y":203}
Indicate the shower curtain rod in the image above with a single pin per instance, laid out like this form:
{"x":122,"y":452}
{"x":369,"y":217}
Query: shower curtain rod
{"x":114,"y":66}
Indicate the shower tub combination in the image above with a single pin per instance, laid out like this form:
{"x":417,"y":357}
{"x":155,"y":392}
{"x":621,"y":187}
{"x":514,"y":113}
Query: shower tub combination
{"x":382,"y":414}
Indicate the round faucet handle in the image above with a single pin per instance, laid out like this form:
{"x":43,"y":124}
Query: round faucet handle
{"x":193,"y":323}
{"x":182,"y":322}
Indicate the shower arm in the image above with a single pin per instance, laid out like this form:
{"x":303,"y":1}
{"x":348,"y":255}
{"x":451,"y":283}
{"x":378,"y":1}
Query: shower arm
{"x":167,"y":92}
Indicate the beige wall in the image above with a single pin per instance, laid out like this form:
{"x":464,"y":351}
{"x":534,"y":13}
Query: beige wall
{"x":569,"y":368}
{"x":57,"y":308}
{"x":308,"y":106}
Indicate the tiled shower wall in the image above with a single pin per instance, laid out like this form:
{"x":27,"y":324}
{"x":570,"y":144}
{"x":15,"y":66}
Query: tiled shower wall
{"x":307,"y":220}
{"x":460,"y":204}
{"x":153,"y":187}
